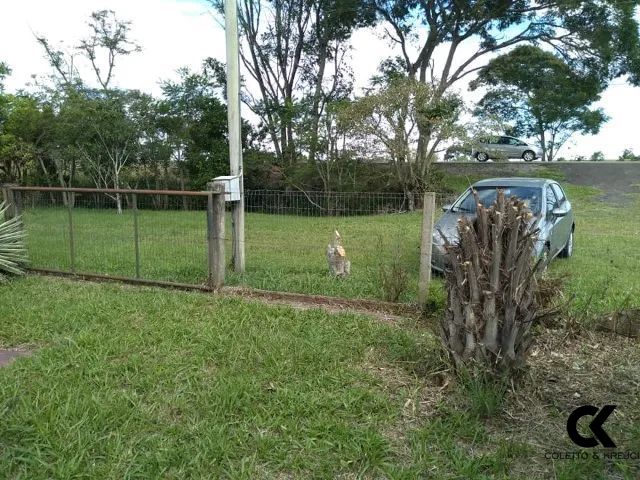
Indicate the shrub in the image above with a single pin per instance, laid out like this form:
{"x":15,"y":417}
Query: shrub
{"x":597,"y":157}
{"x":13,"y":254}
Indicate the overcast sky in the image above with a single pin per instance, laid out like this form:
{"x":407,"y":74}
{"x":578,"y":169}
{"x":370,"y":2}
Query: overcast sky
{"x":176,"y":33}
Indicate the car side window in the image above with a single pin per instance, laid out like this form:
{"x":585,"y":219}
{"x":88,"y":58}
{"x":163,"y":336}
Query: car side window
{"x":503,"y":141}
{"x":552,"y":201}
{"x":559,"y":193}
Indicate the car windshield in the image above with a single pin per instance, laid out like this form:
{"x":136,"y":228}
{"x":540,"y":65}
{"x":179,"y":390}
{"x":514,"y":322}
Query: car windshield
{"x":487,"y":195}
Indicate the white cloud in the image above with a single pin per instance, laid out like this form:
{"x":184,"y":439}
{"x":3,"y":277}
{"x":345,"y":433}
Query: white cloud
{"x":176,"y":33}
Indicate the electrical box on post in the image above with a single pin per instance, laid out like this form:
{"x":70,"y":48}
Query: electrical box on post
{"x":231,"y":187}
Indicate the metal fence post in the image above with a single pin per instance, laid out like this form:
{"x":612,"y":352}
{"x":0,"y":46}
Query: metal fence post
{"x":215,"y":235}
{"x":68,"y":197}
{"x":136,"y":238}
{"x":426,"y":241}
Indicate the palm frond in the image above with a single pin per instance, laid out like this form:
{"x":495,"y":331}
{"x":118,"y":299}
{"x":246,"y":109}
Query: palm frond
{"x":13,"y":252}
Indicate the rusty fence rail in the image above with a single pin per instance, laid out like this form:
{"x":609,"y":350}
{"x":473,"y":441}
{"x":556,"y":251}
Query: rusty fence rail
{"x":165,"y":237}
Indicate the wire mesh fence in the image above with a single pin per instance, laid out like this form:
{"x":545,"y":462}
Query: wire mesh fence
{"x":287,"y":234}
{"x":145,"y":235}
{"x":329,"y":204}
{"x":164,"y":237}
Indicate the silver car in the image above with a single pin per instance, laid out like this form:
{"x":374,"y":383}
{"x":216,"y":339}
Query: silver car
{"x":553,"y":215}
{"x":503,"y":147}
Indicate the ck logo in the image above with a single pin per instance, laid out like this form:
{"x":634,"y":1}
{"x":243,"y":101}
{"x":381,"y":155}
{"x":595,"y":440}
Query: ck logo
{"x":599,"y":435}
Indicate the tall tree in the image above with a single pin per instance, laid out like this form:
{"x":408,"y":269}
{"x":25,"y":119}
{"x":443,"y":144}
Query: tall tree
{"x":4,"y":100}
{"x":108,"y":40}
{"x":112,"y":138}
{"x":4,"y":72}
{"x":603,"y":36}
{"x":23,"y":136}
{"x":194,"y":120}
{"x":290,"y":48}
{"x":387,"y":118}
{"x":540,"y":95}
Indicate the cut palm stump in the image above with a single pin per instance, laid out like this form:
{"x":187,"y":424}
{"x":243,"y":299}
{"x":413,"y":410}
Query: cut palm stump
{"x":339,"y":266}
{"x":491,"y":284}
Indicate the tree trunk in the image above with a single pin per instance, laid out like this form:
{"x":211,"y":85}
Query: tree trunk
{"x":410,"y":198}
{"x":119,"y":203}
{"x":315,"y":109}
{"x":185,"y":205}
{"x":491,"y":284}
{"x":543,"y":144}
{"x":116,"y":185}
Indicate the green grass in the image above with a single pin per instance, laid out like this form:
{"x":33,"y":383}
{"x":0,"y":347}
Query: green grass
{"x":603,"y":272}
{"x":284,"y":253}
{"x":143,"y":383}
{"x":287,"y":253}
{"x":458,"y":183}
{"x":129,"y":382}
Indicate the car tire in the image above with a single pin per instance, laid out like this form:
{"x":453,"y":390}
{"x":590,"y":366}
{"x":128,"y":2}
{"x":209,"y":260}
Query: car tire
{"x":528,"y":156}
{"x":567,"y":251}
{"x":482,"y":157}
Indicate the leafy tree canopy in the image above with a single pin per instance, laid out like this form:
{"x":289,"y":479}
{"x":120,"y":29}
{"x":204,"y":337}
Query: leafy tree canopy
{"x":540,"y":95}
{"x":601,"y":35}
{"x":195,"y":122}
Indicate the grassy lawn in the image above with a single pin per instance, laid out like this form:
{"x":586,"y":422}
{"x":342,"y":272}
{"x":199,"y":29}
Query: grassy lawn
{"x":142,"y":383}
{"x":286,"y":253}
{"x":128,"y":382}
{"x":603,"y":273}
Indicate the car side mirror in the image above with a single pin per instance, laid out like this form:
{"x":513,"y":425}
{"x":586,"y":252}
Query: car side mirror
{"x":447,"y":207}
{"x":559,"y":212}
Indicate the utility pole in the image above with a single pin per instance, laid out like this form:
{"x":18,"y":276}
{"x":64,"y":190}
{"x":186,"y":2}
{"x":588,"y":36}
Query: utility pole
{"x":235,"y":128}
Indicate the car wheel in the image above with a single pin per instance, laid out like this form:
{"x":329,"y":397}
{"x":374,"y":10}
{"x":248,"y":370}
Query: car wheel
{"x":482,"y":157}
{"x":528,"y":156}
{"x":567,"y":251}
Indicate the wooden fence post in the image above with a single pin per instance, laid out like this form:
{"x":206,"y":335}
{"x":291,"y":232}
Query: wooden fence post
{"x":215,"y":234}
{"x":426,"y":241}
